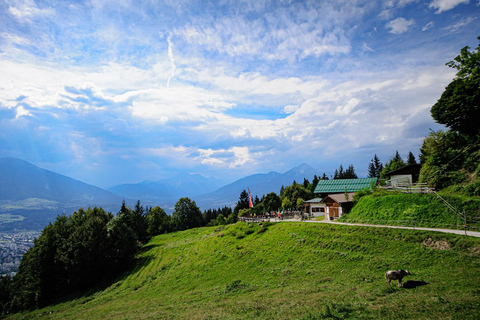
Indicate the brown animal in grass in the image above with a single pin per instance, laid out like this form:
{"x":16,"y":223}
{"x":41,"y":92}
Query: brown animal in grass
{"x":396,"y":275}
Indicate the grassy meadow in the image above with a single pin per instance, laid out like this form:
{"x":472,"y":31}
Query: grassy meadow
{"x":289,"y":271}
{"x":408,"y":209}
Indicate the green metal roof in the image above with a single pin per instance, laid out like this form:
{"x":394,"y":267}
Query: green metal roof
{"x":339,"y":185}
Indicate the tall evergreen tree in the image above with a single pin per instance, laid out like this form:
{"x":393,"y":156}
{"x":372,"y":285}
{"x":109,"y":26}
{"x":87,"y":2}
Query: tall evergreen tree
{"x":256,"y":200}
{"x":140,"y":225}
{"x":314,"y":183}
{"x":396,"y":162}
{"x":411,"y":158}
{"x":371,"y":170}
{"x":243,"y":202}
{"x":375,"y":167}
{"x":305,"y":182}
{"x":340,"y":173}
{"x":350,"y":173}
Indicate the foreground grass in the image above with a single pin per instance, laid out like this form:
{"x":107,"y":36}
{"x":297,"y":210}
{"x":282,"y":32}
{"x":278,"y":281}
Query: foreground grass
{"x":289,"y":271}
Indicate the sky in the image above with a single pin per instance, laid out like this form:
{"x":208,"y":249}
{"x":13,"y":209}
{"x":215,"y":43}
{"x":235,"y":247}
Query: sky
{"x":118,"y":91}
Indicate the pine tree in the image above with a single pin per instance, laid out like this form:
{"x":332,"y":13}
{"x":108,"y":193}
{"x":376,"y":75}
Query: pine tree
{"x":243,"y":202}
{"x":314,"y":183}
{"x":372,"y":173}
{"x":396,"y":162}
{"x":340,"y":172}
{"x":256,"y":201}
{"x":305,"y":183}
{"x":350,"y":173}
{"x":375,"y":167}
{"x":411,"y":158}
{"x":140,"y":222}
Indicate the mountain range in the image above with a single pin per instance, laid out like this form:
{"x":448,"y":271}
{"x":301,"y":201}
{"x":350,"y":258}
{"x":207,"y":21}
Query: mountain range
{"x":259,"y":185}
{"x":166,"y":192}
{"x":30,"y":191}
{"x":20,"y":180}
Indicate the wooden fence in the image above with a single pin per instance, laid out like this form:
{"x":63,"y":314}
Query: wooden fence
{"x":409,"y":188}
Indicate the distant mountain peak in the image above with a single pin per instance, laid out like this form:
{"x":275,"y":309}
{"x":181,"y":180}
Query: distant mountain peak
{"x":302,"y":168}
{"x":20,"y":180}
{"x":259,"y":184}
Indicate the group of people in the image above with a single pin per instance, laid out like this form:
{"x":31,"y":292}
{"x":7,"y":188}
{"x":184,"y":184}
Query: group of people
{"x":280,"y":215}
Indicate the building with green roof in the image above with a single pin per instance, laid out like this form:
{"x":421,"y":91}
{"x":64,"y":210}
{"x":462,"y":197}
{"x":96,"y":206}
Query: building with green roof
{"x":325,"y":187}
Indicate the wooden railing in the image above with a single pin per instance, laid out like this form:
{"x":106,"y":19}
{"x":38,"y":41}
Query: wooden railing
{"x":409,"y":188}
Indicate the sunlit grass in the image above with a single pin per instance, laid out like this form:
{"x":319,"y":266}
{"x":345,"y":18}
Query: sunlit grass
{"x":426,"y":210}
{"x":289,"y":271}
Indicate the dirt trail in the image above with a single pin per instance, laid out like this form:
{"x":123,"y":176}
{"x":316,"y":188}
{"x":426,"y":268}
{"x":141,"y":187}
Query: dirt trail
{"x":462,"y":232}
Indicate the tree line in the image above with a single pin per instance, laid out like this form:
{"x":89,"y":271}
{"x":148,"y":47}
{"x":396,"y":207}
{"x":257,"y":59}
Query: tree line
{"x":91,"y":247}
{"x":451,"y":158}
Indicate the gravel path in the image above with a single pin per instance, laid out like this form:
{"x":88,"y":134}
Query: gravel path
{"x":461,"y":232}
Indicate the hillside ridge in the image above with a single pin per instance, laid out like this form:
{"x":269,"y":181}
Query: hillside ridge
{"x":288,"y":270}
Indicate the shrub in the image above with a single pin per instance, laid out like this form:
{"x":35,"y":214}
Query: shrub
{"x":473,"y":189}
{"x":361,"y":193}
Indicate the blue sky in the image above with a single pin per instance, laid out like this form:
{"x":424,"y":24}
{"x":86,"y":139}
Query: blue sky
{"x":112,"y":92}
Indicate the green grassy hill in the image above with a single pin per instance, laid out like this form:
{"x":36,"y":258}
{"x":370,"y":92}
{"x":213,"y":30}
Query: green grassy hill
{"x":386,"y":207}
{"x":289,"y":271}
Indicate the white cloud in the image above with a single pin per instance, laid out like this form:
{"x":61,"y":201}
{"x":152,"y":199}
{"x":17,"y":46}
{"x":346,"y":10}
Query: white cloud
{"x":283,"y":36}
{"x":462,"y":23}
{"x":14,"y":39}
{"x":399,"y":25}
{"x":386,"y":14}
{"x":172,"y":61}
{"x":44,"y":85}
{"x":348,"y":107}
{"x":255,"y":84}
{"x":428,"y":26}
{"x":231,"y":158}
{"x":291,"y":108}
{"x":403,"y":3}
{"x":365,"y":47}
{"x":445,"y":5}
{"x":83,"y":147}
{"x":20,"y":112}
{"x":26,"y":10}
{"x":177,"y":104}
{"x":233,"y":36}
{"x":242,"y":157}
